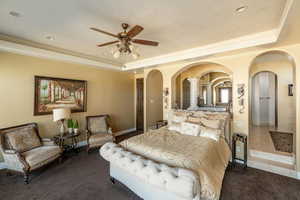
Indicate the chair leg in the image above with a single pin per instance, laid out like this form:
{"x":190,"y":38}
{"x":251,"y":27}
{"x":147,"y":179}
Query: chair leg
{"x":26,"y":177}
{"x":88,"y":149}
{"x":8,"y":173}
{"x":112,"y":180}
{"x":60,"y":160}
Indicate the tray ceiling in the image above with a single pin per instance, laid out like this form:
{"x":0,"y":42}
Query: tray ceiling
{"x":178,"y":25}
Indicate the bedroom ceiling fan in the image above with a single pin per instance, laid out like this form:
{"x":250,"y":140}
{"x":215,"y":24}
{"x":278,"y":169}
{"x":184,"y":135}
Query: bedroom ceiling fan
{"x":124,"y":41}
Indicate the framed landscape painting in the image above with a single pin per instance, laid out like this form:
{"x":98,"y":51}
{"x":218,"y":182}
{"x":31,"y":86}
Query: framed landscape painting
{"x":51,"y":93}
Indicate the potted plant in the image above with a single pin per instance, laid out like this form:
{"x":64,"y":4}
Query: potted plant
{"x":70,"y":126}
{"x":76,"y":126}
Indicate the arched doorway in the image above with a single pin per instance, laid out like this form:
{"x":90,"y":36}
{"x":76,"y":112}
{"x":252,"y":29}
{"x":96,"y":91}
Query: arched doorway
{"x":154,"y":98}
{"x":272,"y":109}
{"x":201,"y":84}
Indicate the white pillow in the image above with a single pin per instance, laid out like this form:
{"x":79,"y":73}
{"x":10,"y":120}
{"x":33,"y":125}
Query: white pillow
{"x":210,"y":133}
{"x":211,"y":123}
{"x":190,"y":129}
{"x":198,"y":114}
{"x":178,"y":118}
{"x":175,"y":127}
{"x":195,"y":120}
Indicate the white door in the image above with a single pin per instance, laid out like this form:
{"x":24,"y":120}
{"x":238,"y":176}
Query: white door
{"x":264,"y":99}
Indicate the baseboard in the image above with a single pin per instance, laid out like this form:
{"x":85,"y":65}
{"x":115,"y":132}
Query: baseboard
{"x":274,"y":169}
{"x":81,"y":144}
{"x":124,"y":131}
{"x":290,"y":160}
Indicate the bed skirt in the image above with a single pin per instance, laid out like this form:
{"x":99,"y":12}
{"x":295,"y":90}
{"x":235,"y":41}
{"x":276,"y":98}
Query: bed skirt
{"x":148,"y":179}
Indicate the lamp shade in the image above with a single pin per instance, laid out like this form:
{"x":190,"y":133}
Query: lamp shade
{"x":61,"y":113}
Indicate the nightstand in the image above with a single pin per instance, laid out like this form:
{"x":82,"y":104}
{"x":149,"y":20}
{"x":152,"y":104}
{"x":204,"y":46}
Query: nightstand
{"x":161,"y":123}
{"x":239,"y":149}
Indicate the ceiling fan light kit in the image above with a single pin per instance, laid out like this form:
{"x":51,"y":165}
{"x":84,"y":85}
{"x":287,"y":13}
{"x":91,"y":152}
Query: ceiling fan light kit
{"x":124,"y":46}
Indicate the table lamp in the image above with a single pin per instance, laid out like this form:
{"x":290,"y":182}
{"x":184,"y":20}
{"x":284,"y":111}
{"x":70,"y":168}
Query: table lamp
{"x":60,"y":114}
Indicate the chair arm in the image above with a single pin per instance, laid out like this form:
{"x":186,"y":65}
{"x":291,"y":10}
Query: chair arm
{"x":48,"y":142}
{"x":111,"y":133}
{"x":109,"y":130}
{"x":10,"y":151}
{"x":14,"y":160}
{"x":88,"y":134}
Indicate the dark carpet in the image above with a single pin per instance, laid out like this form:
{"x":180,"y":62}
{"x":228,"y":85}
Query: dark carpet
{"x":86,"y":177}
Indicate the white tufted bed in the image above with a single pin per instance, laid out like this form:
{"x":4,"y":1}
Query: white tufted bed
{"x":167,"y":165}
{"x":148,"y":179}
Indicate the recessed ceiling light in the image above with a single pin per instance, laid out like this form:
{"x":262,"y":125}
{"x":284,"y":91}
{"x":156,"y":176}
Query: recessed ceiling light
{"x":14,"y":14}
{"x":241,"y":9}
{"x":49,"y":37}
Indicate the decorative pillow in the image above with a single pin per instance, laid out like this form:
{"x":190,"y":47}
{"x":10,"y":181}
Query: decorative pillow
{"x":23,"y":139}
{"x":179,"y":118}
{"x":190,"y":129}
{"x":210,"y":123}
{"x":175,"y":127}
{"x":98,"y":125}
{"x":198,"y":114}
{"x":210,"y":133}
{"x":193,"y":119}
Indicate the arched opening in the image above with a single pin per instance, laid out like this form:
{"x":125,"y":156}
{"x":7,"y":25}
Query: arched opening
{"x":272,"y":108}
{"x":154,"y":98}
{"x":202,"y":86}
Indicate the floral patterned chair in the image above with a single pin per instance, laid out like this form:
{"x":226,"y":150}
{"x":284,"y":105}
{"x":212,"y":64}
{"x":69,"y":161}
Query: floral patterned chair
{"x":98,"y":131}
{"x":24,"y":150}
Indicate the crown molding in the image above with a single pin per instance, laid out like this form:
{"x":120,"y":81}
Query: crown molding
{"x":284,"y":16}
{"x":48,"y":54}
{"x":220,"y":47}
{"x":262,"y":38}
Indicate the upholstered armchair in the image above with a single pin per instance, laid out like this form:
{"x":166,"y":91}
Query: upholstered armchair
{"x":98,"y":131}
{"x":24,"y":150}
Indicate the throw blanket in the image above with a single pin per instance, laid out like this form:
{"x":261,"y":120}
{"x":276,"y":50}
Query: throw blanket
{"x":206,"y":157}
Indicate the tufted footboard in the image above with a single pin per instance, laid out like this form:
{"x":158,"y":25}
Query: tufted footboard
{"x":148,"y":179}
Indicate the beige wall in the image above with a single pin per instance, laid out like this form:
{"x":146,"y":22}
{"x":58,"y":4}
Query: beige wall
{"x":239,"y":64}
{"x":109,"y":92}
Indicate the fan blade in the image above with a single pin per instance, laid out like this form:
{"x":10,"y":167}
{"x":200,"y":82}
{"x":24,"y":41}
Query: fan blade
{"x":145,"y":42}
{"x":108,"y":43}
{"x":134,"y":31}
{"x":104,"y":32}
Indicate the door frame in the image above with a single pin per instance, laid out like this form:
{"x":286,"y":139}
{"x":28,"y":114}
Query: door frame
{"x":137,"y":103}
